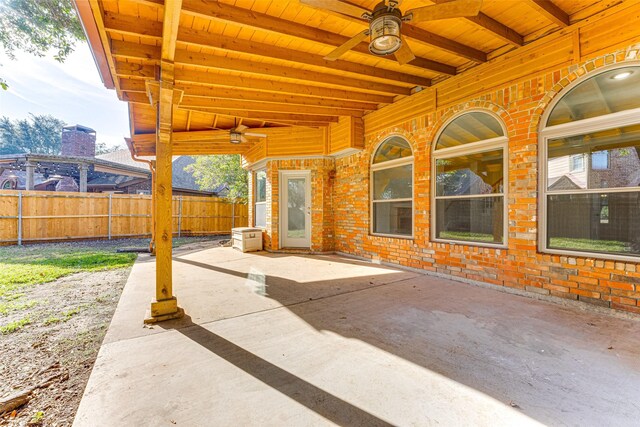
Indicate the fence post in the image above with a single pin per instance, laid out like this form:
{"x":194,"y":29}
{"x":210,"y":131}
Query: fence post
{"x":180,"y":217}
{"x":233,"y":214}
{"x":110,"y":215}
{"x":20,"y":218}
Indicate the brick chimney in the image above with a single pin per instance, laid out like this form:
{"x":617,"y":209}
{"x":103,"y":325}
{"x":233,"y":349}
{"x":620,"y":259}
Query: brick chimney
{"x":78,"y":141}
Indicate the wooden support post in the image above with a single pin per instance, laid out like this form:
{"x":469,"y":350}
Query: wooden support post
{"x":31,"y":168}
{"x":165,"y":305}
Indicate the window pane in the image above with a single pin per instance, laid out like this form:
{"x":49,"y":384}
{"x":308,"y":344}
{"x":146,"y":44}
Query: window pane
{"x":393,"y":183}
{"x":296,"y":197}
{"x":261,"y":186}
{"x":471,"y":127}
{"x":602,"y":94}
{"x":601,"y":222}
{"x":393,"y":218}
{"x":480,"y":173}
{"x":393,"y":148}
{"x":474,"y":220}
{"x":604,"y":159}
{"x":261,"y":214}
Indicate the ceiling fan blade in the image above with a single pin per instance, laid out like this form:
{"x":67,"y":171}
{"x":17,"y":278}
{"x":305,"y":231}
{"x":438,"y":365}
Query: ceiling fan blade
{"x":404,"y":54}
{"x":257,"y":135}
{"x":243,"y":139}
{"x":453,"y":9}
{"x":337,"y":6}
{"x":241,"y":128}
{"x":347,"y":46}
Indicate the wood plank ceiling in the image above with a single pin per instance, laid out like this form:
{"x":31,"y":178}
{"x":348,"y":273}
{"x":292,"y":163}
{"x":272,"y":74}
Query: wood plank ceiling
{"x":260,"y":62}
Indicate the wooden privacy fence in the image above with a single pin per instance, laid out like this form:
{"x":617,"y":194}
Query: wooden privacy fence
{"x":30,"y":216}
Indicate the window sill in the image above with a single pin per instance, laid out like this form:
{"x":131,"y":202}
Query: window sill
{"x":599,"y":255}
{"x":392,"y":236}
{"x":470,"y":243}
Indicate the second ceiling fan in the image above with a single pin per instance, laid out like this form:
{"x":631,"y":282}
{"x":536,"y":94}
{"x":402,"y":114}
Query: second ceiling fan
{"x":385,"y":23}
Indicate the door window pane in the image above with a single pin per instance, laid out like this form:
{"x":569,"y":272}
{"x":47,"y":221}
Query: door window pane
{"x":472,"y":219}
{"x":600,"y":222}
{"x":393,"y":218}
{"x":296,"y":199}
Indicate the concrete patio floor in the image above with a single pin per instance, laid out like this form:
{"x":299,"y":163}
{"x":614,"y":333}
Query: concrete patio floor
{"x":276,"y":339}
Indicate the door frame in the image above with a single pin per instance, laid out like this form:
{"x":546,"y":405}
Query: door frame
{"x":283,"y":175}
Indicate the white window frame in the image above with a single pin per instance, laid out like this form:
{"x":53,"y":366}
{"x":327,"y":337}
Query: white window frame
{"x":501,"y":142}
{"x":389,"y":165}
{"x":255,"y":197}
{"x":579,"y":127}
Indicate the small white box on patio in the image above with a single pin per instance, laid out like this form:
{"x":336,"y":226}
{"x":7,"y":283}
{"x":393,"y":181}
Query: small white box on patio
{"x":247,"y":239}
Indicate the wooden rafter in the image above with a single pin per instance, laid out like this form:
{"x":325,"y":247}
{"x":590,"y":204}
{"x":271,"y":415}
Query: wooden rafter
{"x":225,"y":43}
{"x":552,"y":12}
{"x":233,"y":14}
{"x":134,"y":72}
{"x":150,"y":55}
{"x":496,"y":28}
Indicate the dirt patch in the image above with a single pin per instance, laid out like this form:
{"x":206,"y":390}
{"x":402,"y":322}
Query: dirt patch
{"x":66,"y":321}
{"x":65,"y":332}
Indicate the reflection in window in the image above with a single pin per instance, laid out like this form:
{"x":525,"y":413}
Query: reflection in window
{"x":260,"y":210}
{"x":392,"y":188}
{"x":593,"y":206}
{"x":469,"y":180}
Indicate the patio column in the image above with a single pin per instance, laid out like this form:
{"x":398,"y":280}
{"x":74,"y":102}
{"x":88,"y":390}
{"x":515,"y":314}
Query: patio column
{"x":83,"y":177}
{"x":152,"y":243}
{"x":31,"y":168}
{"x":165,"y":305}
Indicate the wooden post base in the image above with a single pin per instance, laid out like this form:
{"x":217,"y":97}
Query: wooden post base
{"x":163,"y":310}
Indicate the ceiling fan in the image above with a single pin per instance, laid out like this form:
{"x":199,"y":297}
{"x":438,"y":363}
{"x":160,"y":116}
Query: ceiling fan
{"x":385,"y":23}
{"x":237,"y":134}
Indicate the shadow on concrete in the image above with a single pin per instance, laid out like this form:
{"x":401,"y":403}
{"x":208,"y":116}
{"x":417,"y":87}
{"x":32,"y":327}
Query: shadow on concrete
{"x":517,"y":351}
{"x":321,"y":402}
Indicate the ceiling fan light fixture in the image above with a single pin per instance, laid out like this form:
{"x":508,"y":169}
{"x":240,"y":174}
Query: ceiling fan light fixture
{"x":235,"y":136}
{"x":384,"y":31}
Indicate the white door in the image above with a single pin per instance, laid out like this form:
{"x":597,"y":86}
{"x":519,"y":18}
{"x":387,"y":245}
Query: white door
{"x":295,"y":209}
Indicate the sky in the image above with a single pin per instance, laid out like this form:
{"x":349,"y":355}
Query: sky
{"x":71,"y":91}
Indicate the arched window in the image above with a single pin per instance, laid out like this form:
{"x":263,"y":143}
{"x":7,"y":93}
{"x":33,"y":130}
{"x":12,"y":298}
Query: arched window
{"x":8,"y":184}
{"x":469,"y":181}
{"x":392,"y":189}
{"x":590,"y":167}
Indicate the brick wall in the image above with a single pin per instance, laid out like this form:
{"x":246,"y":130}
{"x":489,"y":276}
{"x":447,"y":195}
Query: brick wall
{"x":609,"y":283}
{"x":322,"y":175}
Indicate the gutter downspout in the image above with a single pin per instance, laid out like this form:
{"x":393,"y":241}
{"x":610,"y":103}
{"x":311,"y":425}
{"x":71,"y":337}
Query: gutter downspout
{"x":152,"y":168}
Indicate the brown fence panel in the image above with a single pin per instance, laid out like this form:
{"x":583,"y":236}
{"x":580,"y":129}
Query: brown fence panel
{"x":31,"y":216}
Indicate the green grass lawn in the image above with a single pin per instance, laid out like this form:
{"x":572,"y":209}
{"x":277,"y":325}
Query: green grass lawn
{"x":589,"y":245}
{"x":465,"y":235}
{"x":24,"y":266}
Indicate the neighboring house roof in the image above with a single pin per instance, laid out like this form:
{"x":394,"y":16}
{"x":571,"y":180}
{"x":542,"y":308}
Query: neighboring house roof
{"x":565,"y":182}
{"x":181,"y":179}
{"x":123,"y":157}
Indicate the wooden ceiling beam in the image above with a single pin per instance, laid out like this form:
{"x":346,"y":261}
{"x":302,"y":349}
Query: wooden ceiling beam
{"x":135,"y":72}
{"x":152,"y":29}
{"x":443,"y":43}
{"x":266,"y":116}
{"x":237,"y":15}
{"x":499,"y":30}
{"x":150,"y":54}
{"x":280,"y":98}
{"x":552,"y":12}
{"x":234,"y":104}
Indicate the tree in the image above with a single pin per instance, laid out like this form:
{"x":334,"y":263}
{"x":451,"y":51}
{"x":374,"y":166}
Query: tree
{"x":102,"y":148}
{"x":210,"y":172}
{"x":38,"y":26}
{"x":38,"y":134}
